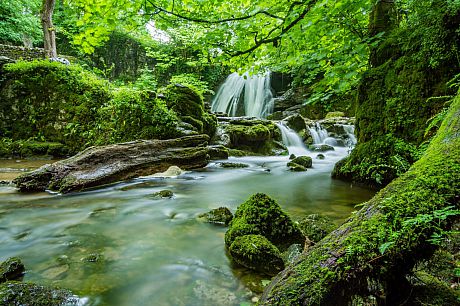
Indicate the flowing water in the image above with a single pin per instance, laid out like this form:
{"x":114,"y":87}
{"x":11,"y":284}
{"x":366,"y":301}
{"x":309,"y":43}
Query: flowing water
{"x":119,"y":245}
{"x":244,"y":95}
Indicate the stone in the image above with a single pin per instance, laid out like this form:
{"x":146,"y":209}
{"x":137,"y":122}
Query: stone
{"x":164,"y":194}
{"x":320,"y":156}
{"x":221,"y":216}
{"x":102,"y":165}
{"x":11,"y":269}
{"x":172,"y":171}
{"x":292,"y":156}
{"x":296,"y":122}
{"x":321,"y":147}
{"x":16,"y":293}
{"x":217,"y":152}
{"x":334,"y":115}
{"x":232,"y":165}
{"x":257,"y":253}
{"x":261,"y":215}
{"x":296,"y":167}
{"x":305,"y":161}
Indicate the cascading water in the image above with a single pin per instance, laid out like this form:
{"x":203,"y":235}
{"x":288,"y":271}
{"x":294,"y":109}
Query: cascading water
{"x":292,"y":140}
{"x":350,"y":130}
{"x":318,"y":133}
{"x":257,"y":96}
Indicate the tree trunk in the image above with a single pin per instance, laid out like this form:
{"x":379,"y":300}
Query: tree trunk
{"x":49,"y":33}
{"x":378,"y":245}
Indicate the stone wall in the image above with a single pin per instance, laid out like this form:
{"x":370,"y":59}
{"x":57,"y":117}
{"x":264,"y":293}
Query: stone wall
{"x":17,"y":52}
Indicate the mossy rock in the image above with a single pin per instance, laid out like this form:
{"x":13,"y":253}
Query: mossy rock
{"x":320,"y":148}
{"x":334,"y":115}
{"x":320,"y":156}
{"x":163,"y":194}
{"x":305,"y":161}
{"x":296,"y":122}
{"x":296,"y":167}
{"x":184,"y":101}
{"x":257,"y":253}
{"x":221,"y":215}
{"x":428,"y":290}
{"x":11,"y":269}
{"x":27,"y":148}
{"x":378,"y":161}
{"x":233,"y":165}
{"x":316,"y":227}
{"x":28,"y":294}
{"x":261,"y":215}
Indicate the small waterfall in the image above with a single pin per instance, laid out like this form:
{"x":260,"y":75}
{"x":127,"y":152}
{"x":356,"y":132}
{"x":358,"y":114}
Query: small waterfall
{"x":292,"y":140}
{"x":257,"y":97}
{"x":318,"y":133}
{"x":350,"y":130}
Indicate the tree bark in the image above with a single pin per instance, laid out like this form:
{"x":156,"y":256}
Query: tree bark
{"x":382,"y":241}
{"x":49,"y":32}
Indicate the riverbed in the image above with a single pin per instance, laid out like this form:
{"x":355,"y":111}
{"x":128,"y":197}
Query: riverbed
{"x":121,"y":245}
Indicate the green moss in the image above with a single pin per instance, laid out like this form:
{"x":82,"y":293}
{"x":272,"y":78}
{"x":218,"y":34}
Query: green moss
{"x":315,"y":227}
{"x":303,"y":161}
{"x":429,"y":290}
{"x":221,"y":215}
{"x":334,"y":115}
{"x":257,"y":253}
{"x":11,"y":269}
{"x":25,"y":148}
{"x":15,"y":293}
{"x":184,"y":101}
{"x":378,"y":161}
{"x":387,"y":236}
{"x":261,"y":215}
{"x":257,"y":138}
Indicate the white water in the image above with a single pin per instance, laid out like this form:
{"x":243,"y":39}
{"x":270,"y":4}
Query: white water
{"x":318,"y":133}
{"x":292,"y":141}
{"x":257,"y":97}
{"x":350,"y":130}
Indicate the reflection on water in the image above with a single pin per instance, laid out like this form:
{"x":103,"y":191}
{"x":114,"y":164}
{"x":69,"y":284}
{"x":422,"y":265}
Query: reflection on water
{"x":122,"y":246}
{"x":12,"y":168}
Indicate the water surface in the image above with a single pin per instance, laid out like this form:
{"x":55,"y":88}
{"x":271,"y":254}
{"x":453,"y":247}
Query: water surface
{"x":122,"y":246}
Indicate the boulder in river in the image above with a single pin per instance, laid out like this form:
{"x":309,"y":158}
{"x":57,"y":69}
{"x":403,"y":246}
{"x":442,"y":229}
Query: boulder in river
{"x":97,"y":166}
{"x":11,"y":269}
{"x":221,"y":215}
{"x":261,"y":215}
{"x":257,"y":253}
{"x":316,"y":227}
{"x":300,"y":163}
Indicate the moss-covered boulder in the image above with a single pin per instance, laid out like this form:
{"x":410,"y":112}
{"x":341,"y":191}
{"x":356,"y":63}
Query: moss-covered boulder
{"x":221,"y":216}
{"x":168,"y":194}
{"x":261,"y":215}
{"x":321,"y":147}
{"x":257,"y":253}
{"x":11,"y":269}
{"x":188,"y":104}
{"x":300,"y":163}
{"x":316,"y":227}
{"x":28,"y":294}
{"x":257,"y":136}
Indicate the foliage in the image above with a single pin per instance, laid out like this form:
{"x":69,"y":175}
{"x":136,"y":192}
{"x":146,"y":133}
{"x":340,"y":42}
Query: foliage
{"x":192,"y":80}
{"x":19,"y":22}
{"x":132,"y":114}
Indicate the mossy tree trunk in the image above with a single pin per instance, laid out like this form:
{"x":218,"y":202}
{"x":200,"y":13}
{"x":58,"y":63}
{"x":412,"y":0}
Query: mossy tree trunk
{"x":49,"y":32}
{"x":381,"y":242}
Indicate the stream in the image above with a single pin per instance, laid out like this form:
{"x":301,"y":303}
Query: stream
{"x":119,"y":245}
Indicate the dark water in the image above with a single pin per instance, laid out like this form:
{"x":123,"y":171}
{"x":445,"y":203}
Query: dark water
{"x":122,"y":246}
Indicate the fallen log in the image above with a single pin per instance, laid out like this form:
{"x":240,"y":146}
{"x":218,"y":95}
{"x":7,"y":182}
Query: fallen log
{"x":371,"y":253}
{"x":98,"y":166}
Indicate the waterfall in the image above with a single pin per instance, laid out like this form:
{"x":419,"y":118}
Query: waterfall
{"x":257,"y":97}
{"x":350,"y":130}
{"x":292,"y":140}
{"x":318,"y":133}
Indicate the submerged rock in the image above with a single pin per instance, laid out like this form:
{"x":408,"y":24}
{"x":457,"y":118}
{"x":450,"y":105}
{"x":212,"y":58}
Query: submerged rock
{"x":11,"y":269}
{"x":320,"y":156}
{"x":233,"y":165}
{"x":221,"y":215}
{"x":261,"y":215}
{"x":320,"y":147}
{"x":163,"y":194}
{"x":257,"y":253}
{"x":213,"y":295}
{"x":316,"y":227}
{"x":98,"y":166}
{"x":28,"y":294}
